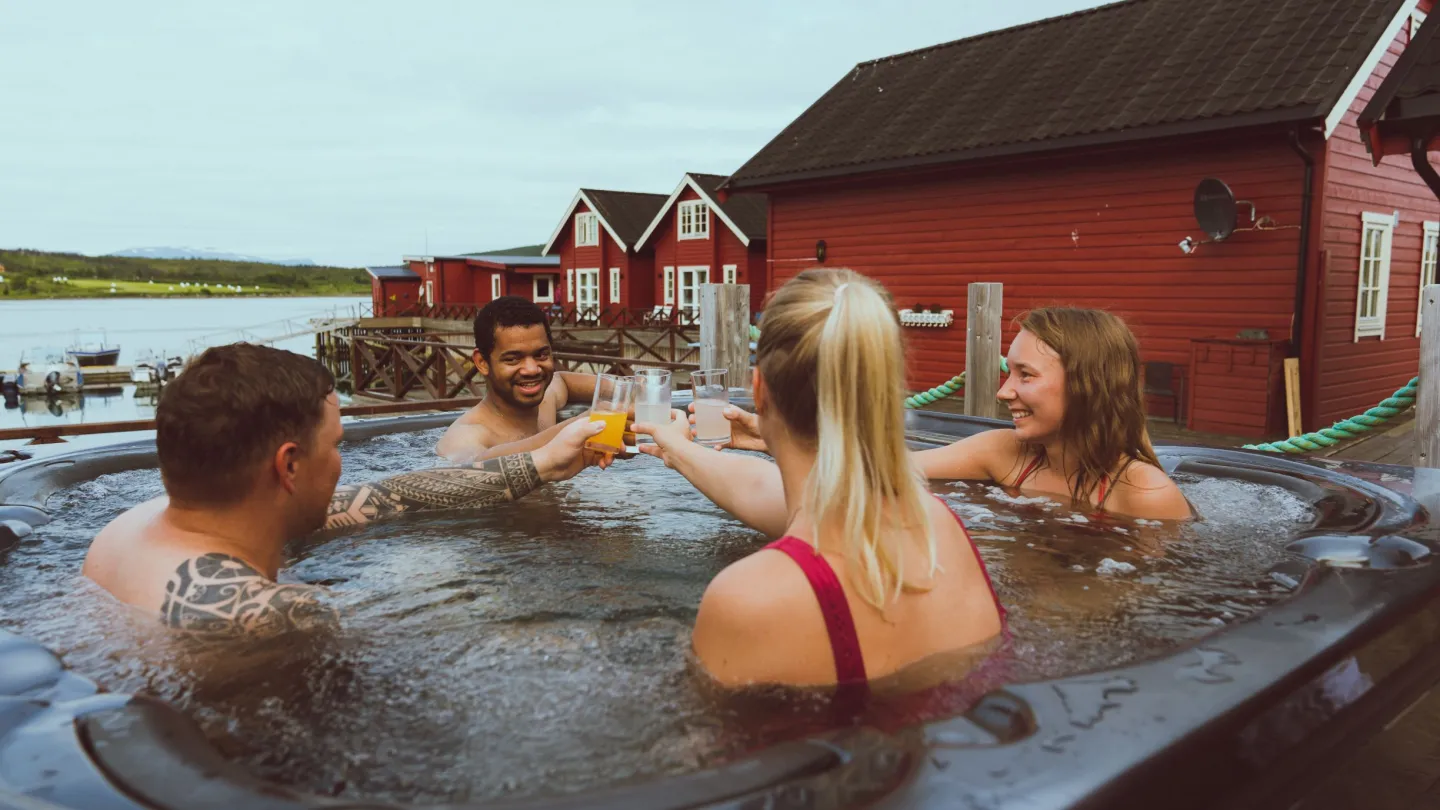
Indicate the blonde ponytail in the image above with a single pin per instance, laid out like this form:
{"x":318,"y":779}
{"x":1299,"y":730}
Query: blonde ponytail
{"x":831,"y":348}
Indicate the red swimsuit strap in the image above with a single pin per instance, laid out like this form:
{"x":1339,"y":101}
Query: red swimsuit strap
{"x":839,"y":624}
{"x":1029,"y":468}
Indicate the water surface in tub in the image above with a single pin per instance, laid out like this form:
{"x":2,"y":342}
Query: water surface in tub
{"x":541,"y":646}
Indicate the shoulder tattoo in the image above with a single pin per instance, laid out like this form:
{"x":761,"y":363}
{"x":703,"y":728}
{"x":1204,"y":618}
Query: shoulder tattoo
{"x":480,"y":484}
{"x":217,"y":596}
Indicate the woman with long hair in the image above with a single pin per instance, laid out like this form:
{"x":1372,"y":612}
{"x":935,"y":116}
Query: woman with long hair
{"x":871,"y":572}
{"x":1076,"y":397}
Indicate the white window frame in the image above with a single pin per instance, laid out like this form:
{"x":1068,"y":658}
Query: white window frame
{"x":692,"y":220}
{"x":570,"y":285}
{"x":429,"y":292}
{"x":698,"y":274}
{"x":731,"y":271}
{"x":587,"y":229}
{"x":1417,"y":19}
{"x":587,"y":282}
{"x":1383,"y":226}
{"x":669,"y":286}
{"x":496,"y":286}
{"x":614,"y":285}
{"x":535,"y":289}
{"x":1429,"y":258}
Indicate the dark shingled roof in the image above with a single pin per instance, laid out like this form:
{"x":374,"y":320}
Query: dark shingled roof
{"x":628,"y":212}
{"x":1407,"y":103}
{"x":401,"y":272}
{"x":1102,"y":75}
{"x":749,"y":212}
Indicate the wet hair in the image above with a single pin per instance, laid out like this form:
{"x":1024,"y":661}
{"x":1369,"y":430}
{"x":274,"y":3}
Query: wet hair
{"x":228,"y":412}
{"x":1104,"y":422}
{"x":507,"y":310}
{"x":831,"y":354}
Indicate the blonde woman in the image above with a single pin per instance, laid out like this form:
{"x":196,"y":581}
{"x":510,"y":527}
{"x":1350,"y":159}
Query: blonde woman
{"x":871,"y":573}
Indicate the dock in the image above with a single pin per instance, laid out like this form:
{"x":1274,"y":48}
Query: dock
{"x":97,"y":378}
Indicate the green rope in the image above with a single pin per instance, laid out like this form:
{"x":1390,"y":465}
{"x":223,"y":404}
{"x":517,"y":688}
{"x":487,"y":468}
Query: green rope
{"x":944,"y":389}
{"x":1396,"y":404}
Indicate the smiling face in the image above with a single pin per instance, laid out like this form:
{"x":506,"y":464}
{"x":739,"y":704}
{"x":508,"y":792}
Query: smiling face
{"x":1035,"y":390}
{"x":520,"y":367}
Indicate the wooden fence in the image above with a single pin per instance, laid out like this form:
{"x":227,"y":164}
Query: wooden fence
{"x":571,"y":316}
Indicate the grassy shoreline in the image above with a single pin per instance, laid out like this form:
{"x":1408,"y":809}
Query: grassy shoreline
{"x":31,"y":274}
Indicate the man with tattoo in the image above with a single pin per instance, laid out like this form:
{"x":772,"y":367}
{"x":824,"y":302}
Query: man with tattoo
{"x":248,"y":440}
{"x":523,"y":391}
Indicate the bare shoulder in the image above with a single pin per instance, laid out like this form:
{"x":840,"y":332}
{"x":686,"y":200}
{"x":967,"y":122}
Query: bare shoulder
{"x":987,"y":455}
{"x":466,"y":437}
{"x":1145,"y":491}
{"x":747,"y":630}
{"x":216,"y":596}
{"x":119,"y":537}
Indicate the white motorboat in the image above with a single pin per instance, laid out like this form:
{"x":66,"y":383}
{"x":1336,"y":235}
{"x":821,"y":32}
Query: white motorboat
{"x":48,"y":371}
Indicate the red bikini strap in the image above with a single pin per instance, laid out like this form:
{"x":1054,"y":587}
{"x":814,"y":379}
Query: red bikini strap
{"x":839,"y":624}
{"x":1029,"y":468}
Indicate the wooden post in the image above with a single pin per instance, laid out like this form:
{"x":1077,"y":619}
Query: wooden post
{"x":1292,"y":396}
{"x":982,"y":349}
{"x":1427,"y":395}
{"x":725,"y":331}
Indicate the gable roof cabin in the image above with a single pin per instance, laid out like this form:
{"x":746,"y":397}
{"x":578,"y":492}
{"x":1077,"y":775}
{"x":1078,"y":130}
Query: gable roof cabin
{"x":1406,"y":106}
{"x":1132,"y":70}
{"x":623,"y":214}
{"x":743,"y":214}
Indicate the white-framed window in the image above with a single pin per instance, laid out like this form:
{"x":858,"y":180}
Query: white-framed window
{"x":614,"y":285}
{"x":694,"y":220}
{"x":570,"y":285}
{"x":1417,"y":19}
{"x":587,"y":230}
{"x":587,"y":289}
{"x":1429,"y":251}
{"x":429,"y":293}
{"x":669,"y":286}
{"x":497,"y":286}
{"x":690,"y":280}
{"x":730,"y":272}
{"x":1377,"y":233}
{"x":542,"y":289}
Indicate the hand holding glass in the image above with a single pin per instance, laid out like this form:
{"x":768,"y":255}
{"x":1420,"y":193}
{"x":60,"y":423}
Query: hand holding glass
{"x":614,"y":397}
{"x":711,"y":397}
{"x":652,"y":398}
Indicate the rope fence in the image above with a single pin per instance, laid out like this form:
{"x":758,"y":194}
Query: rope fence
{"x":1354,"y":427}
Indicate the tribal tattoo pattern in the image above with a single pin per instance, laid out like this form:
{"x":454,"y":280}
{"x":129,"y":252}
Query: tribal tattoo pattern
{"x":480,"y":484}
{"x":220,"y":597}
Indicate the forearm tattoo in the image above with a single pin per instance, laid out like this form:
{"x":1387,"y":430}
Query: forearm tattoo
{"x":480,"y":484}
{"x":220,"y":597}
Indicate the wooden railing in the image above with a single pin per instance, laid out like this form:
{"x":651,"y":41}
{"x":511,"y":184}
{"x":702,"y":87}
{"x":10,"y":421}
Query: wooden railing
{"x":570,"y":315}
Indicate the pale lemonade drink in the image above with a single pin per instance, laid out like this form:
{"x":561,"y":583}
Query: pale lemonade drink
{"x":711,"y":426}
{"x":655,"y":413}
{"x":612,"y":438}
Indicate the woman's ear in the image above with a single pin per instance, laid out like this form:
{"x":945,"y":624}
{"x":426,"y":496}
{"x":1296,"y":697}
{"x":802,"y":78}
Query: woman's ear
{"x":758,"y":392}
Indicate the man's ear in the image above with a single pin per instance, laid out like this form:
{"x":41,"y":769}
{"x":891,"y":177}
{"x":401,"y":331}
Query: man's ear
{"x":481,"y":365}
{"x":286,"y":459}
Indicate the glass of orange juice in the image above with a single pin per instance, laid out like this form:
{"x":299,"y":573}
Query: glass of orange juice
{"x":614,"y":397}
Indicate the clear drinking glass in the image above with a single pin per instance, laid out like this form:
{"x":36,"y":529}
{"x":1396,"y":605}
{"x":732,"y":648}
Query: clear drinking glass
{"x":614,"y":397}
{"x":711,"y":398}
{"x":652,"y":398}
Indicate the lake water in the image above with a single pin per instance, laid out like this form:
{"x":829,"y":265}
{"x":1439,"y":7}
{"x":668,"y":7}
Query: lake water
{"x":163,"y":326}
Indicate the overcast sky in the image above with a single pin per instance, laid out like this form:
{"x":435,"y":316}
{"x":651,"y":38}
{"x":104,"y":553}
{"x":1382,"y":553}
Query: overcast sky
{"x":342,"y":131}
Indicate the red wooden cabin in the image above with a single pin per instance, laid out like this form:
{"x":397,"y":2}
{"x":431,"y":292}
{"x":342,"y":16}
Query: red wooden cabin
{"x":393,"y":290}
{"x":706,"y":234}
{"x":595,"y":247}
{"x":1062,"y":157}
{"x":476,"y":279}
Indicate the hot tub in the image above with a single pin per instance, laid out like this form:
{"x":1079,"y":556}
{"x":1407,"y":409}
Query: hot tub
{"x":1244,"y":715}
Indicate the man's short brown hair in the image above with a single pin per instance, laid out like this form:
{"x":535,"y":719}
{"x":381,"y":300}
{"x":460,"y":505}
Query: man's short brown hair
{"x":229,"y":410}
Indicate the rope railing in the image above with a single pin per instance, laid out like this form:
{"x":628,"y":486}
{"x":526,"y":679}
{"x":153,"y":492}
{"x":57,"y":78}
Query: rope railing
{"x":1388,"y":408}
{"x":945,"y":389}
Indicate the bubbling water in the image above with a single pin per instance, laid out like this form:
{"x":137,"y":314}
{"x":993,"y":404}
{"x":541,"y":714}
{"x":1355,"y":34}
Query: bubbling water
{"x":543,"y":646}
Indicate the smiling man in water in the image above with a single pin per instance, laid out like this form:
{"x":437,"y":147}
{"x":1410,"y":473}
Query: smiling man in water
{"x":523,"y":391}
{"x":248,"y":440}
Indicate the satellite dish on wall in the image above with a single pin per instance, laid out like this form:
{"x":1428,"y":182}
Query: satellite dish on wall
{"x":1215,"y":208}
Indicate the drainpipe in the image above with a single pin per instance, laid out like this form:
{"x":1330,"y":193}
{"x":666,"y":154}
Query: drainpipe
{"x":1306,"y":201}
{"x":1420,"y":158}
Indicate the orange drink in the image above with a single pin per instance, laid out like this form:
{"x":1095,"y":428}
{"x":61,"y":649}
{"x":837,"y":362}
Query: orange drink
{"x":612,"y":438}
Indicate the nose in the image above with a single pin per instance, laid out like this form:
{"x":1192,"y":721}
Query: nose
{"x":1007,"y":391}
{"x":530,"y":366}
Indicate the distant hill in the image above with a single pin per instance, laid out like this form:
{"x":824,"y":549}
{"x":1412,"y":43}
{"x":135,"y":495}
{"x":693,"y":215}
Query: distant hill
{"x":197,"y":253}
{"x":32,"y":274}
{"x":524,"y":250}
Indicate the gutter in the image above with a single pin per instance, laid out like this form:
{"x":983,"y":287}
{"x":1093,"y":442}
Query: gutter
{"x":1302,"y":263}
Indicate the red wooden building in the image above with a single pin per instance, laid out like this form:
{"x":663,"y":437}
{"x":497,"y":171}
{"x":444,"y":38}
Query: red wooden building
{"x":393,"y":290}
{"x":703,"y":234}
{"x":475,"y":279}
{"x":595,"y":248}
{"x":1062,"y":158}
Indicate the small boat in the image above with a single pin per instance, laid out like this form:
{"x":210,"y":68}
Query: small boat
{"x":95,"y":352}
{"x":151,"y":371}
{"x":48,"y":371}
